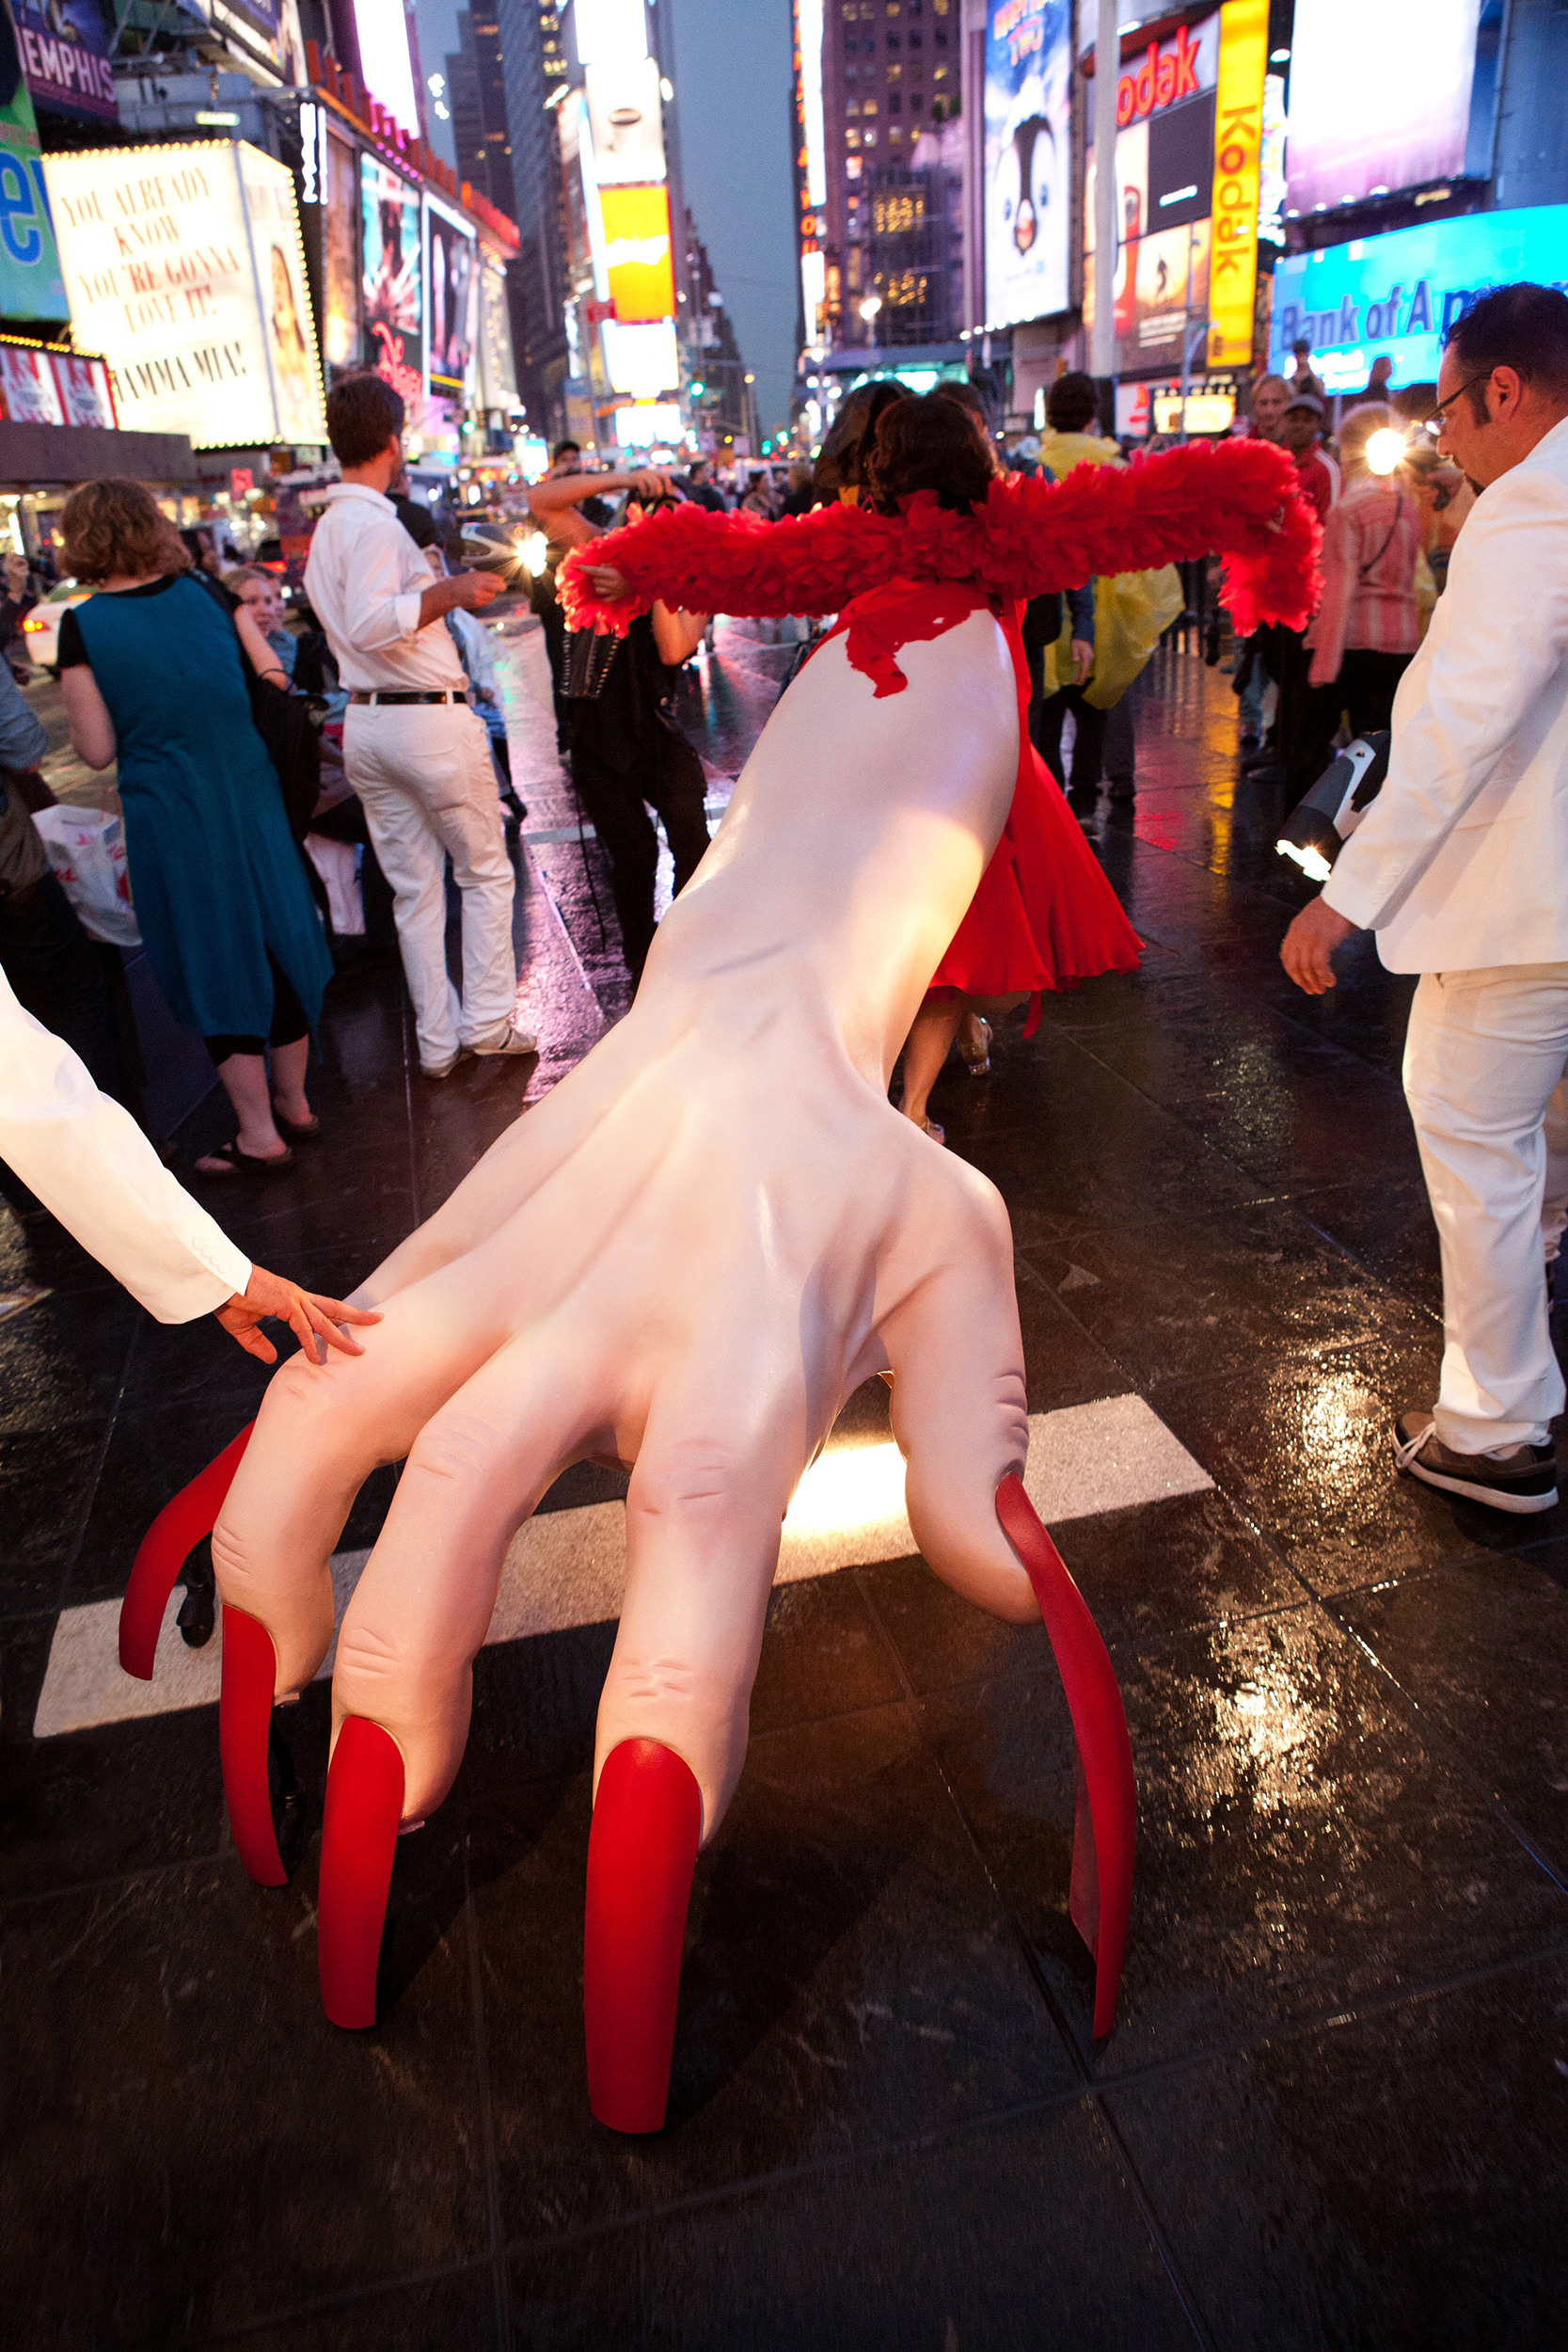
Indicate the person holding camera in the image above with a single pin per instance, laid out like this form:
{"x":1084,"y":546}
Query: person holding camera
{"x":415,"y":753}
{"x":626,"y":749}
{"x":1460,"y":866}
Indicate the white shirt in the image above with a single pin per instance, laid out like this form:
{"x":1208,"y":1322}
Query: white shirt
{"x":364,"y":580}
{"x":90,"y":1164}
{"x":1461,"y":864}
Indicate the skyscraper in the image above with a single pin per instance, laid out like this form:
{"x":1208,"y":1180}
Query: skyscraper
{"x":534,"y":67}
{"x":476,"y":86}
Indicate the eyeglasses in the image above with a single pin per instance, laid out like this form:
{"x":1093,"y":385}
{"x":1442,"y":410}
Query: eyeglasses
{"x":1438,"y":418}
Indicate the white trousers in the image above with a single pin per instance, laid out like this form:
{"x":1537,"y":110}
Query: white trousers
{"x":425,"y":775}
{"x":1484,"y":1060}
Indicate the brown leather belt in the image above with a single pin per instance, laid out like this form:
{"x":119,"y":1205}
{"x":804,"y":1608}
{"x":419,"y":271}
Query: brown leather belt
{"x":410,"y":696}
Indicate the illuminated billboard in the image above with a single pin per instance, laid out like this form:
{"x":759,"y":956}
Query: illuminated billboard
{"x":810,"y":167}
{"x":625,"y":118}
{"x":1396,"y":297}
{"x":32,"y":285}
{"x":1380,"y":98}
{"x":393,"y":297}
{"x":1164,"y":156}
{"x":385,"y":67}
{"x":641,"y":361}
{"x":1028,"y":156}
{"x":64,"y":49}
{"x":452,"y":279}
{"x":342,"y":346}
{"x":609,"y":31}
{"x":637,"y":253}
{"x":1238,"y":158}
{"x":184,"y":266}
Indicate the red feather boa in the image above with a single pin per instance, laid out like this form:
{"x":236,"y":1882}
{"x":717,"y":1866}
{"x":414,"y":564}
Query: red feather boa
{"x":1239,"y":499}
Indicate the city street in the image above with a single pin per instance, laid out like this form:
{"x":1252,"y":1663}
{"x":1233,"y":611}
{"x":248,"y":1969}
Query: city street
{"x":1334,"y":2107}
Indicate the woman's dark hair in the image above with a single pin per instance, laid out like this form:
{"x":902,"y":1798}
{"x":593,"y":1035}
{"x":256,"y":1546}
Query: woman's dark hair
{"x":1523,"y":327}
{"x":840,"y":461}
{"x":363,"y":414}
{"x":1071,"y":403}
{"x":117,"y":529}
{"x":931,"y":442}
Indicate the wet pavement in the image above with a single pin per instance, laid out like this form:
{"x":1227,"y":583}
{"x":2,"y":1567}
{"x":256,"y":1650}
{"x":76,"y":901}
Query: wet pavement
{"x":1334,"y":2111}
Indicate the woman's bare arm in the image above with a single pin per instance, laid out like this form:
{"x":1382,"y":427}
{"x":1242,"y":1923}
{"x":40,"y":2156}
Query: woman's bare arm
{"x":258,"y":652}
{"x":678,"y":634}
{"x":93,"y":730}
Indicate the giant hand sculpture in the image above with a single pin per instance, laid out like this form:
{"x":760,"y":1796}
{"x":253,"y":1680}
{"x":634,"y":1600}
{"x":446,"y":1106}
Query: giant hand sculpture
{"x":683,"y":1260}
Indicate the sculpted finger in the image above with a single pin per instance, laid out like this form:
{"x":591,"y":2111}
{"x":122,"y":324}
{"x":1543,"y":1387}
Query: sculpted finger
{"x":959,"y":1410}
{"x":424,"y":1602}
{"x":713,"y":1480}
{"x":321,"y":1429}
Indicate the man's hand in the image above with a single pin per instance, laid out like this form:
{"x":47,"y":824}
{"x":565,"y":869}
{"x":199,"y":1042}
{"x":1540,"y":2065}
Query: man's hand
{"x":1309,"y":944}
{"x":308,"y":1317}
{"x":474,"y":590}
{"x":650,"y":483}
{"x":1083,"y":661}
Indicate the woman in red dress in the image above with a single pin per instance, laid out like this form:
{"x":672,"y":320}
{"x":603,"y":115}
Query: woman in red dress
{"x":941,"y":532}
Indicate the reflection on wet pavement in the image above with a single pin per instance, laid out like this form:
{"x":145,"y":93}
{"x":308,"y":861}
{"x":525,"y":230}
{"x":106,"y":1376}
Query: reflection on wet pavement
{"x":1335,"y":2106}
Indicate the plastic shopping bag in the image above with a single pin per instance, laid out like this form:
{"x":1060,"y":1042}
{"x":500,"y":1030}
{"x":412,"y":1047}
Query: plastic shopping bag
{"x":87,"y":851}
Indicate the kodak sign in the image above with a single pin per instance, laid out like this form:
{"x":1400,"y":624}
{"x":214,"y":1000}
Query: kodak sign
{"x":1238,"y":141}
{"x":1159,"y":80}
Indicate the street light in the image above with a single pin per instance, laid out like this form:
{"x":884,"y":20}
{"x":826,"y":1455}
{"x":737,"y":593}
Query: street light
{"x":869,"y":309}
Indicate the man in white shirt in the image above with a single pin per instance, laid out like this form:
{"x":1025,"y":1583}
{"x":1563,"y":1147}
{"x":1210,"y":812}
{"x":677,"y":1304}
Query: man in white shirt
{"x":415,"y":753}
{"x":1461,"y":868}
{"x":92,"y":1166}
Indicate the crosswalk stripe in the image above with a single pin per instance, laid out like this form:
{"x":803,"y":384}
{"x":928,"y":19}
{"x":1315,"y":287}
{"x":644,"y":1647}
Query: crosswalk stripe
{"x":566,"y":1568}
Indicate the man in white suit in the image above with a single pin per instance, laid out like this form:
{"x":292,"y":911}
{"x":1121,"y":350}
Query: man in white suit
{"x":1461,"y":868}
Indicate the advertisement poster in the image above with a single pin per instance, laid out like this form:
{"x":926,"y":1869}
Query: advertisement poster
{"x":286,"y":315}
{"x":1164,"y":296}
{"x":1238,"y":159}
{"x":1396,"y":296}
{"x":451,"y":274}
{"x":637,"y":253}
{"x":1028,"y":158}
{"x":1164,"y":175}
{"x":340,"y":334}
{"x":64,"y":46}
{"x":393,"y":298}
{"x":184,"y":267}
{"x":84,"y":388}
{"x":27,"y":386}
{"x":31,"y":284}
{"x":624,"y":116}
{"x":497,"y":373}
{"x":1380,"y":98}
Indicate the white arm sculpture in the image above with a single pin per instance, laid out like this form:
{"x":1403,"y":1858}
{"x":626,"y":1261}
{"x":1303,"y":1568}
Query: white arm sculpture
{"x":683,"y":1260}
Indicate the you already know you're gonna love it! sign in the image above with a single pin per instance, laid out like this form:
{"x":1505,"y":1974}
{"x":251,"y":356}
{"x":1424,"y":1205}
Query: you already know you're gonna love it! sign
{"x":184,"y":267}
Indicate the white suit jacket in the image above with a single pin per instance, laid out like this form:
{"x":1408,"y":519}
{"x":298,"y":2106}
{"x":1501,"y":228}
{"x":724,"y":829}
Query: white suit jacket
{"x":1461,"y":861}
{"x":89,"y":1161}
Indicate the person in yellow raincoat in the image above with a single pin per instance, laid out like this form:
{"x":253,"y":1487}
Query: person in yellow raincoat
{"x":1131,"y":610}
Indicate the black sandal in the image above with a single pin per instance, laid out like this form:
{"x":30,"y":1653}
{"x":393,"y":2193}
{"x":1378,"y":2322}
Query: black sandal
{"x":239,"y":1161}
{"x":294,"y":1130}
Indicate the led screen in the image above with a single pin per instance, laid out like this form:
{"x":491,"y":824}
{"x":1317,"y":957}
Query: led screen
{"x":393,"y":297}
{"x":383,"y":59}
{"x":1028,"y":156}
{"x":65,"y":57}
{"x":624,"y":116}
{"x":637,"y":252}
{"x":1164,"y":179}
{"x":1396,"y":296}
{"x":340,"y":299}
{"x":452,"y":276}
{"x":1379,"y":97}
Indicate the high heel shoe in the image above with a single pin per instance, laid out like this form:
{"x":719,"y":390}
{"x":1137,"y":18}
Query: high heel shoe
{"x":359,"y":1834}
{"x":245,"y":1718}
{"x":641,"y":1852}
{"x":179,"y":1526}
{"x":1100,"y":1898}
{"x":978,"y":1064}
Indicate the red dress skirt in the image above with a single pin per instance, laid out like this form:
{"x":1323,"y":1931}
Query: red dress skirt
{"x":1043,"y":915}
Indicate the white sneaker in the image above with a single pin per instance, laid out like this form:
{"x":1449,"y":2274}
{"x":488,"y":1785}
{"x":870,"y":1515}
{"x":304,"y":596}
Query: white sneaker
{"x":442,"y":1069}
{"x":506,"y":1039}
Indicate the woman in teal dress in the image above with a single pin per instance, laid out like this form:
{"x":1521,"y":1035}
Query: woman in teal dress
{"x":151,"y":673}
